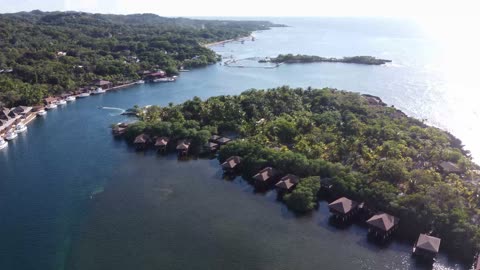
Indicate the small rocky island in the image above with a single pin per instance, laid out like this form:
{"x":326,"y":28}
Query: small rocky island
{"x":300,"y":58}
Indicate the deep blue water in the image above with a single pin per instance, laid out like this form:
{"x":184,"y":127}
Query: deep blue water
{"x":71,"y":197}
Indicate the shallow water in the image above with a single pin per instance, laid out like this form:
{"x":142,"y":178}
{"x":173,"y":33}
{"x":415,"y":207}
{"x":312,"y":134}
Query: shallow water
{"x":72,"y":197}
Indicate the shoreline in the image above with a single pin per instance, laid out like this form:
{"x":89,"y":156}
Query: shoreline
{"x":222,"y":42}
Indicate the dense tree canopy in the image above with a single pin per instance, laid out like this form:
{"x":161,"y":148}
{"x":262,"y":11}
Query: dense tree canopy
{"x":46,"y":53}
{"x":366,"y":150}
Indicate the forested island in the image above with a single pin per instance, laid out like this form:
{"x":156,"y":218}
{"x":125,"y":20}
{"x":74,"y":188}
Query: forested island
{"x":354,"y":143}
{"x":48,"y":53}
{"x":300,"y":58}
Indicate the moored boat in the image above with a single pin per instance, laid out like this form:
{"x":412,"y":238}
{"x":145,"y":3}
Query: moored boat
{"x":11,"y":134}
{"x":140,"y":82}
{"x":51,"y":106}
{"x":19,"y":128}
{"x":84,"y":95}
{"x":70,"y":98}
{"x":42,"y":112}
{"x":61,"y":102}
{"x":166,"y":79}
{"x":98,"y":91}
{"x":3,"y":143}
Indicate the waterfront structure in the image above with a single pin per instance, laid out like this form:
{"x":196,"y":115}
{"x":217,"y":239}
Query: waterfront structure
{"x":382,"y":225}
{"x":214,"y":138}
{"x":287,"y":183}
{"x":264,"y":177}
{"x":343,"y":208}
{"x":161,"y":143}
{"x":231,"y":164}
{"x":50,"y":100}
{"x":102,"y":84}
{"x":141,"y":141}
{"x":427,"y":246}
{"x":182,"y":147}
{"x":210,"y":146}
{"x":223,"y":140}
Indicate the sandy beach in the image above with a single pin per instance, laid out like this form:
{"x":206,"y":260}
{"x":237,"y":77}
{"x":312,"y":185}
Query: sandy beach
{"x":226,"y":41}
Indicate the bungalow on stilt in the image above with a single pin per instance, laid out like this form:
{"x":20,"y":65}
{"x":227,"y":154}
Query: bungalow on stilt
{"x":382,"y":225}
{"x":264,"y":177}
{"x":287,"y":183}
{"x":161,"y":144}
{"x":427,"y":247}
{"x":343,"y":209}
{"x":182,"y":147}
{"x":141,"y":141}
{"x":231,"y":164}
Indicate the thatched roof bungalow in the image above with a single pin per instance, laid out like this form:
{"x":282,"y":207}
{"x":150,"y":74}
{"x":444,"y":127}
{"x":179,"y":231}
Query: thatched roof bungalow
{"x":287,"y":183}
{"x":182,"y":147}
{"x":427,"y":246}
{"x":210,"y":146}
{"x":161,"y":142}
{"x":214,"y":138}
{"x":118,"y":130}
{"x":382,"y":225}
{"x":141,"y":141}
{"x":231,"y":163}
{"x":265,"y":176}
{"x":223,"y":140}
{"x":343,"y":208}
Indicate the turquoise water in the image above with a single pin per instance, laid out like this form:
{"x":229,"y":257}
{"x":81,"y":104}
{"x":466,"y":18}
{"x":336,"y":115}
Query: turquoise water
{"x":71,"y":197}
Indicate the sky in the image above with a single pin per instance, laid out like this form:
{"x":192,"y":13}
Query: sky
{"x":436,"y":9}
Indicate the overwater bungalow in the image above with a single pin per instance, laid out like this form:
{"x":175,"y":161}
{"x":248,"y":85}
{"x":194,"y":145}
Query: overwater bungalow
{"x":343,"y":208}
{"x":118,"y":131}
{"x":382,"y":225}
{"x":427,"y":247}
{"x":264,"y":177}
{"x":231,"y":164}
{"x":449,"y":167}
{"x":141,"y":141}
{"x":161,"y":144}
{"x":223,"y":140}
{"x":182,"y":147}
{"x":210,"y":147}
{"x":287,"y":183}
{"x":214,"y":138}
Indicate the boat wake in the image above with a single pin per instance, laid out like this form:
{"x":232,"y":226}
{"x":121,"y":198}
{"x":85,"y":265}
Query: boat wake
{"x":120,"y":110}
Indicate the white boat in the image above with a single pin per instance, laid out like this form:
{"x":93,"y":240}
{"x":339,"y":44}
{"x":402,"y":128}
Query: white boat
{"x":51,"y":106}
{"x":98,"y":91}
{"x":41,"y":112}
{"x":3,"y":143}
{"x":61,"y":102}
{"x":19,"y":128}
{"x":140,"y":82}
{"x":166,"y":79}
{"x":84,"y":95}
{"x":70,"y":98}
{"x":10,"y":135}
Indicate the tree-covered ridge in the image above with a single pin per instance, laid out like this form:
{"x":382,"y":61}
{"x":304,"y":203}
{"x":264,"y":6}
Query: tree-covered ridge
{"x":301,"y":58}
{"x":44,"y":53}
{"x":364,"y":149}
